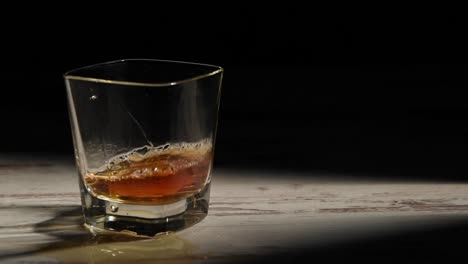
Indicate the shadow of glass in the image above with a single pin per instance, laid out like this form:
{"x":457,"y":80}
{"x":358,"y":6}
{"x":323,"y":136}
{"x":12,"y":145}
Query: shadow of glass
{"x":71,"y":241}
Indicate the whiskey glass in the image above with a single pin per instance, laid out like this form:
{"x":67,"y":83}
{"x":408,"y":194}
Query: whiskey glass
{"x":144,"y":133}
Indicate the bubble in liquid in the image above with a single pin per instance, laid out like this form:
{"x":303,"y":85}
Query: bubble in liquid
{"x":146,"y":151}
{"x":114,"y":208}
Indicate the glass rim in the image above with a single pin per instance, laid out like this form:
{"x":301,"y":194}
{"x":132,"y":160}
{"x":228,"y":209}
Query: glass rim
{"x":70,"y":76}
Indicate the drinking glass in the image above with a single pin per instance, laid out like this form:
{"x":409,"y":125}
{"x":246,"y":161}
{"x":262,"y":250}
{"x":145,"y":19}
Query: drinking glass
{"x":144,"y":135}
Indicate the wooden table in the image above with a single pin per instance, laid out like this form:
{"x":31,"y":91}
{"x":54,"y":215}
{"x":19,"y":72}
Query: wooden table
{"x":254,"y":216}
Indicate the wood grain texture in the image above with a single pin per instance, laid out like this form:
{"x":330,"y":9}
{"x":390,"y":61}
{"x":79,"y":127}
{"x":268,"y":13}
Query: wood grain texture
{"x":251,"y":214}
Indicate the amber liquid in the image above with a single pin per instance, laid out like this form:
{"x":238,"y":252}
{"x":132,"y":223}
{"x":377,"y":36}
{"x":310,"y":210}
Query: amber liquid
{"x":162,"y":176}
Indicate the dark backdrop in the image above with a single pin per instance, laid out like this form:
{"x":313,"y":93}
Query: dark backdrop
{"x":304,"y":91}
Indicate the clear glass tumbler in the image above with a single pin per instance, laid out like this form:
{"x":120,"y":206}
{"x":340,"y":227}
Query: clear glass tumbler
{"x":144,"y":134}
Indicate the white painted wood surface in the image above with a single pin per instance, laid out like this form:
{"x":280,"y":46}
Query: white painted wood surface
{"x":251,"y":214}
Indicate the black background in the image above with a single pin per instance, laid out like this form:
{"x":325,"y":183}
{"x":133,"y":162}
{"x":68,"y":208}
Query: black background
{"x":303,"y":90}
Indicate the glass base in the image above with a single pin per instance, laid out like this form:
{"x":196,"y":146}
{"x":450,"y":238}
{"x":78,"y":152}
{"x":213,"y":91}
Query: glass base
{"x":144,"y":220}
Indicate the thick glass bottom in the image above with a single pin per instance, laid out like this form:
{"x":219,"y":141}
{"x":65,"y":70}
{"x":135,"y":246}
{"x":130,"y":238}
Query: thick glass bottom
{"x":143,"y":220}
